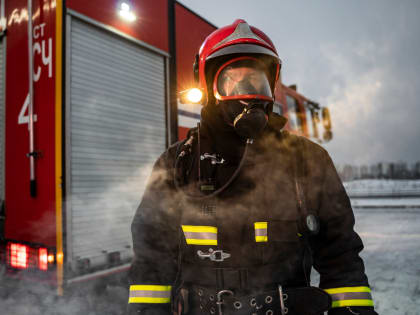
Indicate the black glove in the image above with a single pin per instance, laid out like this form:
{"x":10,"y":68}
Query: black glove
{"x":352,"y":310}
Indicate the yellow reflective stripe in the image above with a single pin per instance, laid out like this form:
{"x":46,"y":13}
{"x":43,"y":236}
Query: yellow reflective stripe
{"x":260,"y":225}
{"x":204,"y":234}
{"x":59,"y":182}
{"x":198,"y":228}
{"x":342,"y":303}
{"x":348,"y":296}
{"x":347,"y":289}
{"x":150,"y":293}
{"x":148,"y":300}
{"x":150,"y":287}
{"x":261,"y":238}
{"x":192,"y":241}
{"x":261,"y":231}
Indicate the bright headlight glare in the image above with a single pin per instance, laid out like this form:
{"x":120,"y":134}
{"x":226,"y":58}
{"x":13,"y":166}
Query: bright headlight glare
{"x":126,"y":12}
{"x":194,"y":95}
{"x":125,"y":7}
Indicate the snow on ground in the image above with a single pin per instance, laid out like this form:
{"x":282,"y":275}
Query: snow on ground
{"x":385,"y":202}
{"x":392,"y":258}
{"x":383,"y":187}
{"x":36,"y":299}
{"x":383,"y":193}
{"x":400,"y":184}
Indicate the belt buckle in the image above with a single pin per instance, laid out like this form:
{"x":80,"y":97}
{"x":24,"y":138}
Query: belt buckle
{"x":283,"y":297}
{"x":214,"y":255}
{"x":219,"y":301}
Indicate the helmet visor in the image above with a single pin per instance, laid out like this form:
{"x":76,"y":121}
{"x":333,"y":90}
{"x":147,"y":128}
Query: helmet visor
{"x":244,"y":77}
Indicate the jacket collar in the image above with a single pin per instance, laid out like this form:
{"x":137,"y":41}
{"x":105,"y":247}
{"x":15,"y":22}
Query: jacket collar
{"x":222,"y":138}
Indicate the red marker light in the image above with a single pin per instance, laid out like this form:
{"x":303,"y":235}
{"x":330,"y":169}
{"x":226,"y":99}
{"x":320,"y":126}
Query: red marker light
{"x":18,"y":256}
{"x":43,"y":259}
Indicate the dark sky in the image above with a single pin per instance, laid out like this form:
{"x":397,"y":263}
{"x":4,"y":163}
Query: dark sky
{"x":359,"y":57}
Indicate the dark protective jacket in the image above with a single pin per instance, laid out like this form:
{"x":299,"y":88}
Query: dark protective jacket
{"x":257,"y":219}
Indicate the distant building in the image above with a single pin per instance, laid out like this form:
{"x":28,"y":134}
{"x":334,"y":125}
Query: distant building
{"x":385,"y":170}
{"x":347,"y":173}
{"x":355,"y":171}
{"x":375,"y":171}
{"x":401,"y":170}
{"x":364,"y":172}
{"x":416,"y":170}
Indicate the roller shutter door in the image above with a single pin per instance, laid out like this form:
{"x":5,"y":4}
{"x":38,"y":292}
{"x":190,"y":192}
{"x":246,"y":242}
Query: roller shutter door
{"x":2,"y":120}
{"x":117,"y":119}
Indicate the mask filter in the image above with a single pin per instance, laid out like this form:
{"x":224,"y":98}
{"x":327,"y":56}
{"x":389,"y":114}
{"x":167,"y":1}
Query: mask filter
{"x":249,"y":120}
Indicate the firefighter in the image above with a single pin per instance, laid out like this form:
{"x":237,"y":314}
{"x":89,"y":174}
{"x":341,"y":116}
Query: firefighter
{"x":234,"y":217}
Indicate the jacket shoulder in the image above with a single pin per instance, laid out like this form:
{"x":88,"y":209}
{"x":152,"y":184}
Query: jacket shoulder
{"x":312,"y":157}
{"x":309,"y":147}
{"x":168,"y":157}
{"x":313,"y":147}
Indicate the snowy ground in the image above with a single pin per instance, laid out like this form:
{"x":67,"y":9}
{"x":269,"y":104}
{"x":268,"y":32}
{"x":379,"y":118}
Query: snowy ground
{"x":383,"y":187}
{"x":381,"y":203}
{"x":392,"y":258}
{"x":382,"y":193}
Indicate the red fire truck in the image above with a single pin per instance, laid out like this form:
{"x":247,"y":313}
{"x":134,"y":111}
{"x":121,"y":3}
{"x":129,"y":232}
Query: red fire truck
{"x":88,"y":100}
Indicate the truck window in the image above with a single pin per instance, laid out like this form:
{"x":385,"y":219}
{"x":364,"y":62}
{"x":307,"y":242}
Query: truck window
{"x":277,"y":108}
{"x":292,"y":111}
{"x":309,"y":121}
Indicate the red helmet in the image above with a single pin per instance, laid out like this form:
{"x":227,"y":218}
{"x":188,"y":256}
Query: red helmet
{"x":238,"y":39}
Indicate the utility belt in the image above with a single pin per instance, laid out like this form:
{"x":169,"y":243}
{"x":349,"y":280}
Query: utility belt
{"x":225,"y":291}
{"x":286,"y":301}
{"x":237,"y":278}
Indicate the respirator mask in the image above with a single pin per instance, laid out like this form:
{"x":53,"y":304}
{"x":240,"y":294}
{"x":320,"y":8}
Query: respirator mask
{"x":244,"y":95}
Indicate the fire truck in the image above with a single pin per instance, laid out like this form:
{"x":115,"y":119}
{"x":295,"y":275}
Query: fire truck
{"x":89,"y":97}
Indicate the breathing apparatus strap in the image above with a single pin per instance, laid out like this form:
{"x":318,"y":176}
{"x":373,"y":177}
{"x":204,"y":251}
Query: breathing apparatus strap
{"x":299,"y":177}
{"x":300,"y":173}
{"x":187,"y":147}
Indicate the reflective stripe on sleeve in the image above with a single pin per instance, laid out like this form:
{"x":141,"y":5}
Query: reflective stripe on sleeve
{"x":350,"y":296}
{"x":261,"y":231}
{"x":200,"y":235}
{"x":150,"y":294}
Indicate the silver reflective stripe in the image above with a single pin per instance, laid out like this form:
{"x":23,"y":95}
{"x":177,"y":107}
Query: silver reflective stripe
{"x":242,"y":30}
{"x":200,"y":235}
{"x":147,"y":293}
{"x":261,"y":232}
{"x":351,"y":296}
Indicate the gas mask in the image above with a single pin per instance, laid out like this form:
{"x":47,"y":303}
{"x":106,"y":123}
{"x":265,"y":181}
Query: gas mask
{"x":248,"y":118}
{"x":244,"y":95}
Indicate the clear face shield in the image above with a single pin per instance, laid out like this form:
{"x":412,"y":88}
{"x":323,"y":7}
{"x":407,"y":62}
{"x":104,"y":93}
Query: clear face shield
{"x":243,"y":78}
{"x":243,"y":89}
